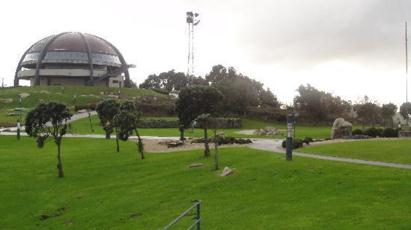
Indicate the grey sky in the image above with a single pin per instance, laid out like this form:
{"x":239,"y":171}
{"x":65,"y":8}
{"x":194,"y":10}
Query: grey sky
{"x":347,"y":47}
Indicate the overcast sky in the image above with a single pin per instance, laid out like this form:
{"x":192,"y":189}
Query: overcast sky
{"x":350,"y":48}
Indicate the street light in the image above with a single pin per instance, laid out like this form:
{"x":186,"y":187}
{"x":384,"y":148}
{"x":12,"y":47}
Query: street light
{"x":291,"y":117}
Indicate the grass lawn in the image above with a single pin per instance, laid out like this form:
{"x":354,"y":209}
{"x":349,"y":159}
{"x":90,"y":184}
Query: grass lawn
{"x":108,"y":190}
{"x":83,"y":127}
{"x":69,"y":95}
{"x":397,"y":151}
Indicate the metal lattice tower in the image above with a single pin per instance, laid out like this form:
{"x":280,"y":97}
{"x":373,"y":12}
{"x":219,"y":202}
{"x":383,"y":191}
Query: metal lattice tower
{"x":406,"y":63}
{"x":192,"y":21}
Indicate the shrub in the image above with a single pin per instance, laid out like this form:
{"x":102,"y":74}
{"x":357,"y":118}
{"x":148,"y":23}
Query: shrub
{"x":373,"y":132}
{"x":296,"y":143}
{"x":88,"y":106}
{"x":157,"y":123}
{"x":389,"y":132}
{"x":225,"y":123}
{"x":223,"y":140}
{"x":357,"y":132}
{"x":308,"y":140}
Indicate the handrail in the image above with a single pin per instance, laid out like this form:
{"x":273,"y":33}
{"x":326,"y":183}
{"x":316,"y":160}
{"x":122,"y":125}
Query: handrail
{"x":197,"y":221}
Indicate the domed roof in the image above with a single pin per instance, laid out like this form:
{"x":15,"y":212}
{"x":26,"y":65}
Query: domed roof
{"x":73,"y":47}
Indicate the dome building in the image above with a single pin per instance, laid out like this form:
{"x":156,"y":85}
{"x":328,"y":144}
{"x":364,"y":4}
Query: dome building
{"x":73,"y":58}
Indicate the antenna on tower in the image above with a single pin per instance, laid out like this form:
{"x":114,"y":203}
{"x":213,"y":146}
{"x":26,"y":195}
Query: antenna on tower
{"x":192,"y":21}
{"x":406,"y":63}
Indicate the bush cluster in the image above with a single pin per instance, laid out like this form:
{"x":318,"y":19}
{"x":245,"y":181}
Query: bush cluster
{"x":225,"y":123}
{"x":88,"y":106}
{"x":157,"y":123}
{"x":223,"y":140}
{"x":296,"y":143}
{"x":377,"y":132}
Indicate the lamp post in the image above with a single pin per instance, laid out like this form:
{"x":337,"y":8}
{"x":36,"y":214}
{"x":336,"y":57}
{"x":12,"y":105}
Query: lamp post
{"x":289,"y":140}
{"x":18,"y":110}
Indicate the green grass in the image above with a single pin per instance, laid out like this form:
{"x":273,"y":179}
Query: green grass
{"x":397,"y":151}
{"x":83,"y":127}
{"x":108,"y":190}
{"x":64,"y":95}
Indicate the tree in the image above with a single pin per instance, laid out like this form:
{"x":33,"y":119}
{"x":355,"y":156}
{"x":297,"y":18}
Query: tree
{"x":169,"y":81}
{"x":203,"y":120}
{"x":49,"y":119}
{"x":196,"y":100}
{"x":126,"y":121}
{"x":215,"y":123}
{"x":368,"y":112}
{"x":318,"y":106}
{"x":405,"y":110}
{"x":106,"y":110}
{"x":387,"y":112}
{"x":240,"y":92}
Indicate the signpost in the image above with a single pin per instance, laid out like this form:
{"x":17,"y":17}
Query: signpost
{"x":19,"y":117}
{"x":289,"y":141}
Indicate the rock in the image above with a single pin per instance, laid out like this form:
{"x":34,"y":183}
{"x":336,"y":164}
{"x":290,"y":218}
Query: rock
{"x":266,"y":131}
{"x":227,"y":171}
{"x":6,"y":100}
{"x":24,"y":95}
{"x":195,"y":165}
{"x":171,"y":143}
{"x":113,"y":96}
{"x":341,"y":129}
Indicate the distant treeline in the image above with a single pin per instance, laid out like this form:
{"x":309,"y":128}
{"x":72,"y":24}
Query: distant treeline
{"x":246,"y":97}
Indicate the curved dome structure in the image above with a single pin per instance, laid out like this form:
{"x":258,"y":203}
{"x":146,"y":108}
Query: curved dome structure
{"x":73,"y":58}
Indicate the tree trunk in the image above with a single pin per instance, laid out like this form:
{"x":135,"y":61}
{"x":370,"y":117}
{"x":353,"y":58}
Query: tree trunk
{"x":89,"y":119}
{"x":206,"y":147}
{"x":117,"y":144}
{"x":216,"y":154}
{"x":59,"y":164}
{"x":140,"y":146}
{"x":182,"y":135}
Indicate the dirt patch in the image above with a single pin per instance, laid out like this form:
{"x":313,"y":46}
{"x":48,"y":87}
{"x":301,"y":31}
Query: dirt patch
{"x":153,"y":145}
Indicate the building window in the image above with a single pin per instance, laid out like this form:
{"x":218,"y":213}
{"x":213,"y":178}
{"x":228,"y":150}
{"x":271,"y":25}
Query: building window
{"x":115,"y":81}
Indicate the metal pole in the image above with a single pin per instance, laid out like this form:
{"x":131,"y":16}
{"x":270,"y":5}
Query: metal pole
{"x":198,"y":218}
{"x":406,"y":63}
{"x":189,"y":53}
{"x":289,"y":140}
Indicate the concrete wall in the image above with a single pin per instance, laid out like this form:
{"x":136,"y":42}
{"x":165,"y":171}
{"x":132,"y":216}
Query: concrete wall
{"x":80,"y":81}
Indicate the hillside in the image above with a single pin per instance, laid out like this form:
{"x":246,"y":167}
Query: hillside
{"x":69,"y":95}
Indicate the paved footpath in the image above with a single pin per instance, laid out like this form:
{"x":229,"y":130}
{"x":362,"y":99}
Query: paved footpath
{"x":260,"y":144}
{"x":275,"y":146}
{"x":73,"y":118}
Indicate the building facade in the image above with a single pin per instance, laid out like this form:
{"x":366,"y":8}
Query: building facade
{"x":73,"y":58}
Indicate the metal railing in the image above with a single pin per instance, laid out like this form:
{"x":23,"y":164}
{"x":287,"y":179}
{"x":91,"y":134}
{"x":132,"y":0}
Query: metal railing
{"x":197,"y":218}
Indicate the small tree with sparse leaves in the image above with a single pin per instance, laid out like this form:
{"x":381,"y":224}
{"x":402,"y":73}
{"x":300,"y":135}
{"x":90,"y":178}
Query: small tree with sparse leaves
{"x":126,"y":122}
{"x":49,"y":120}
{"x":106,"y":110}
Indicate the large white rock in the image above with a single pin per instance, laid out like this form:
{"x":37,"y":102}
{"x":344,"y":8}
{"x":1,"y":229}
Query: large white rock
{"x":227,"y":171}
{"x":341,"y":128}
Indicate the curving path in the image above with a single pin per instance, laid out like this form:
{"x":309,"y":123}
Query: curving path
{"x":275,"y":146}
{"x":271,"y":145}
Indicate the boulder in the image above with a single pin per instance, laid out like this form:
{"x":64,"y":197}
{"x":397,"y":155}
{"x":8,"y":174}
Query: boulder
{"x":195,"y":165}
{"x":227,"y":171}
{"x":266,"y":131}
{"x":171,"y":143}
{"x":24,"y":95}
{"x":341,"y":129}
{"x":6,"y":100}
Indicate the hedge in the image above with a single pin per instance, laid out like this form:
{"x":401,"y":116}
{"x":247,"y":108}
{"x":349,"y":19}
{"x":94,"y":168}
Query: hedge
{"x":226,"y":123}
{"x":158,"y":123}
